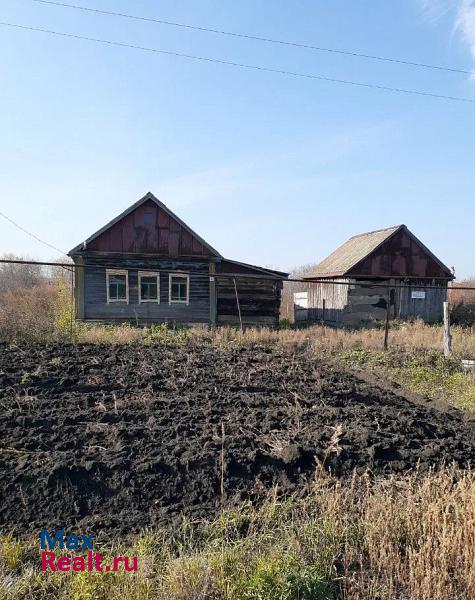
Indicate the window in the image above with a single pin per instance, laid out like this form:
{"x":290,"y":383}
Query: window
{"x":148,"y":218}
{"x":117,"y":283}
{"x":149,"y":286}
{"x":179,"y":289}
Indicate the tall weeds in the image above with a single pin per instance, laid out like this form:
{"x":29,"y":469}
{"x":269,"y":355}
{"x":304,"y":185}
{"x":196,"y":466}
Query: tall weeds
{"x":408,"y":538}
{"x":33,"y":314}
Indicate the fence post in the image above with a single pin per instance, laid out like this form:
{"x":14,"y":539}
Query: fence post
{"x":238,"y":304}
{"x":386,"y":325}
{"x":73,"y":308}
{"x":447,"y":336}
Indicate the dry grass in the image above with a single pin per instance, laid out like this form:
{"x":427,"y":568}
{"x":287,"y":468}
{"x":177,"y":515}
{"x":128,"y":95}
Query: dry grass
{"x":29,"y":314}
{"x":43,"y":313}
{"x":408,"y":538}
{"x":402,"y":335}
{"x":108,"y":334}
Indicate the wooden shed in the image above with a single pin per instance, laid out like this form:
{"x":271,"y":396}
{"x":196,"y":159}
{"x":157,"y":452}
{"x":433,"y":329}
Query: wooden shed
{"x":147,"y":266}
{"x":373,"y":269}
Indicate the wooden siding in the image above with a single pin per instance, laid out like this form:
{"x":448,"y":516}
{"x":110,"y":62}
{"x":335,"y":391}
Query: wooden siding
{"x":97,"y":309}
{"x":259,"y":301}
{"x":335,"y":296}
{"x":364,"y":300}
{"x":156,"y":233}
{"x":430,"y":309}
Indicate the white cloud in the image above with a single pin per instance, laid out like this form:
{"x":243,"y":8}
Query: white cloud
{"x":434,"y":10}
{"x":465,"y":23}
{"x":463,"y":12}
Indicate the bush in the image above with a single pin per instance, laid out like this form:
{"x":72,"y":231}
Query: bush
{"x":462,"y":303}
{"x":40,"y":313}
{"x":463,"y":313}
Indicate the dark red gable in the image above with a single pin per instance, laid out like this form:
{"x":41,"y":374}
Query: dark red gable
{"x":148,"y":229}
{"x":401,"y":255}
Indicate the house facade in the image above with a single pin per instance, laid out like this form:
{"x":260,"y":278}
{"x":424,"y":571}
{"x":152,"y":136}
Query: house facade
{"x":147,"y":266}
{"x":371,"y":272}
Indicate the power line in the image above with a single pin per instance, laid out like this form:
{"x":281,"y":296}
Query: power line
{"x":138,"y":266}
{"x":32,"y":235}
{"x":242,"y":65}
{"x":353,"y":53}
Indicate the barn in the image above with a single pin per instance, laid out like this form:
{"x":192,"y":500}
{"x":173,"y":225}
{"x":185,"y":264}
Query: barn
{"x":147,"y":266}
{"x":371,"y":270}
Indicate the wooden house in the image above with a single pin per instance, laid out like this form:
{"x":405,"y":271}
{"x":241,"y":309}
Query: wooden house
{"x":373,"y":269}
{"x":147,"y":266}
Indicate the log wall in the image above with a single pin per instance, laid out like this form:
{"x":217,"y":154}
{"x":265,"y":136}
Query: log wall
{"x":94,"y":293}
{"x":259,"y":301}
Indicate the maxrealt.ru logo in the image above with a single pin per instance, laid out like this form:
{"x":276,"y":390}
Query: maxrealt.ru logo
{"x":91,"y":561}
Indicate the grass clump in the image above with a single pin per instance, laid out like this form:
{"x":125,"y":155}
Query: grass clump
{"x":423,"y":371}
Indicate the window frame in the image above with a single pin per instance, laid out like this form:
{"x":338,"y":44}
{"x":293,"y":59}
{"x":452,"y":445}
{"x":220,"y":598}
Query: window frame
{"x":181,"y":276}
{"x":110,"y":272}
{"x":156,"y":275}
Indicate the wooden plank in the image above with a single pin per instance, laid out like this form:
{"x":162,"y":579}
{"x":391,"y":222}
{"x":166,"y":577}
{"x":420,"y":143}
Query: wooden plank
{"x":186,"y":243}
{"x":197,"y":247}
{"x":128,"y":234}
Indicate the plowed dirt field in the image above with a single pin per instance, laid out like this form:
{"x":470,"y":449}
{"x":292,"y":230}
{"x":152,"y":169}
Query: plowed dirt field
{"x":118,"y":438}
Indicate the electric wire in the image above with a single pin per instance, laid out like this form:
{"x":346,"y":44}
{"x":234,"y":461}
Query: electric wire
{"x":32,"y":235}
{"x":242,"y":65}
{"x":354,"y":53}
{"x":138,"y":266}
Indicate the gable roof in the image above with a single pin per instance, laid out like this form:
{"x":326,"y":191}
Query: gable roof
{"x":148,"y":197}
{"x":359,"y":247}
{"x":352,"y":252}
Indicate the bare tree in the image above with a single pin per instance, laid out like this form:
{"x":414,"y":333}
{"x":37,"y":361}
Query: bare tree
{"x":14,"y":276}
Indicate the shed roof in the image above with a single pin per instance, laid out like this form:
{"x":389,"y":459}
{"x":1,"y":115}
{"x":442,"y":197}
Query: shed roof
{"x":228,"y":266}
{"x":359,"y":247}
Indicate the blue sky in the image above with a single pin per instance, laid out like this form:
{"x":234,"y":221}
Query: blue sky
{"x":269,"y":169}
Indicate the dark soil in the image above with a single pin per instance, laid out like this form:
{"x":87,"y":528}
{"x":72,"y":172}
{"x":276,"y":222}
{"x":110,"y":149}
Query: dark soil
{"x":105,"y":438}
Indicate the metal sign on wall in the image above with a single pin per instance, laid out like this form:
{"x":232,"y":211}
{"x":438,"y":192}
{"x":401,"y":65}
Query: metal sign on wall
{"x":418,"y":295}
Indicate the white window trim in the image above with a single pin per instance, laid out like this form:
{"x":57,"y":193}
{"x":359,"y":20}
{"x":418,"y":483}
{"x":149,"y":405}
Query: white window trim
{"x":117,"y":272}
{"x":155,"y":274}
{"x":183,"y":276}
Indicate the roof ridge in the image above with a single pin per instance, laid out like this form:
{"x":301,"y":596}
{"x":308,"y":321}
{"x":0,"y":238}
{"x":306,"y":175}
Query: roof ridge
{"x":393,"y":227}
